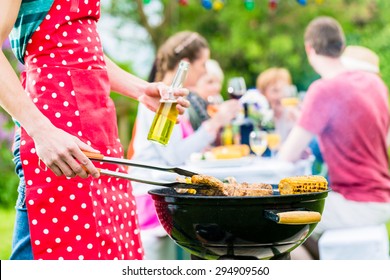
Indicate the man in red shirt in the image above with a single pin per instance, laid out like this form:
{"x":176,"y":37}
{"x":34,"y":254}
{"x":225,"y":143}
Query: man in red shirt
{"x":348,"y":111}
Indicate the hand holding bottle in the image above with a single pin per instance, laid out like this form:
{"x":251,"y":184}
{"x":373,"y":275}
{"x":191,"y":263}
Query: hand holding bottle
{"x":154,"y":92}
{"x":168,"y":110}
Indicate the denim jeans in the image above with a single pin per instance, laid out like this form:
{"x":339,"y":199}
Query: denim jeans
{"x":21,"y":242}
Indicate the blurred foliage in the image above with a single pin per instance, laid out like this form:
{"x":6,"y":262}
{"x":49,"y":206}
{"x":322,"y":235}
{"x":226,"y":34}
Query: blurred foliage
{"x":248,"y":42}
{"x":8,"y":179}
{"x":7,"y":217}
{"x":126,"y":111}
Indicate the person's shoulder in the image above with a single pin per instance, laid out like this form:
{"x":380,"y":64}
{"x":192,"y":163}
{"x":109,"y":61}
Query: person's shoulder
{"x":330,"y":85}
{"x":365,"y":78}
{"x":360,"y":75}
{"x":319,"y":86}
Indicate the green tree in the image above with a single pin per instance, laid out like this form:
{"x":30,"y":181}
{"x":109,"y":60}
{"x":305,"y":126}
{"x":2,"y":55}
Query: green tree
{"x":246,"y":42}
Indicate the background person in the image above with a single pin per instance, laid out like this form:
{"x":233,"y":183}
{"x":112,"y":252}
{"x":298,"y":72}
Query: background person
{"x":360,"y":58}
{"x":353,"y":58}
{"x":275,"y":84}
{"x":205,"y":96}
{"x":348,"y":111}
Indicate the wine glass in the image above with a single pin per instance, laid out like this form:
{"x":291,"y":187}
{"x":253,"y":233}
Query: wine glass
{"x":213,"y":102}
{"x":236,"y":87}
{"x":258,"y":141}
{"x":274,"y":140}
{"x":215,"y":99}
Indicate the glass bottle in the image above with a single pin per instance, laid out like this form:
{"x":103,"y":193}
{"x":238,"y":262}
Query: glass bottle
{"x":166,"y":115}
{"x":246,"y":127}
{"x":227,"y":135}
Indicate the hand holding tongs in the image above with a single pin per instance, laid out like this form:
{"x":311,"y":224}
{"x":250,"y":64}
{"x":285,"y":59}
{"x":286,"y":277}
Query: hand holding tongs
{"x":180,"y":171}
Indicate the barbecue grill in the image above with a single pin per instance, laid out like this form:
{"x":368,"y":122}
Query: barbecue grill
{"x":220,"y":227}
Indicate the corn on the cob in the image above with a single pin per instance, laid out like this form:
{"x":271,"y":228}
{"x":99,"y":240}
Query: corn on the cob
{"x":186,"y":180}
{"x":302,"y":184}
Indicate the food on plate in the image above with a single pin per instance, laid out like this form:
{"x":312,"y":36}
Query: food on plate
{"x":302,"y":184}
{"x":228,"y":188}
{"x":230,"y":151}
{"x":222,"y":152}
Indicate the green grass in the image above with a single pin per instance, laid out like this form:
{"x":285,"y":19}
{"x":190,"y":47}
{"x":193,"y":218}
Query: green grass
{"x":7,"y":218}
{"x":388,"y":228}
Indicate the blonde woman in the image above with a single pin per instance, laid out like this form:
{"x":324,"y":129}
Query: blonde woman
{"x":276,"y":84}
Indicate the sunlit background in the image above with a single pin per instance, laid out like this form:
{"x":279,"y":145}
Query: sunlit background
{"x":245,"y":36}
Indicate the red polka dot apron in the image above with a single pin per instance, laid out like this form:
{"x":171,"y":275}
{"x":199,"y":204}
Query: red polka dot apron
{"x":75,"y":218}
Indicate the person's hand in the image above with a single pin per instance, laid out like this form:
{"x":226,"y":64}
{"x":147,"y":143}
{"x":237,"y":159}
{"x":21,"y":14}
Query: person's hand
{"x":293,"y":113}
{"x":156,"y":91}
{"x":62,"y":153}
{"x":227,"y":111}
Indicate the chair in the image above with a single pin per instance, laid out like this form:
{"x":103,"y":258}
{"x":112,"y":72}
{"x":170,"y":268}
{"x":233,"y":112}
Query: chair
{"x":360,"y":243}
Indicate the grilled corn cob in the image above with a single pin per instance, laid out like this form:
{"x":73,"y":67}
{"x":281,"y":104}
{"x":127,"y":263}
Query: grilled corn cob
{"x":189,"y":181}
{"x":302,"y":184}
{"x":186,"y":180}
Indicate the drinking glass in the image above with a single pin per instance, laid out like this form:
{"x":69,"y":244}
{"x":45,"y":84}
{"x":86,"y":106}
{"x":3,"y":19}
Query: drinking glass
{"x":236,"y":87}
{"x":274,"y":140}
{"x":258,"y":142}
{"x":213,"y":102}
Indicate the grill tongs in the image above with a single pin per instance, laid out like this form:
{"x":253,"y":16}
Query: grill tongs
{"x":180,"y":171}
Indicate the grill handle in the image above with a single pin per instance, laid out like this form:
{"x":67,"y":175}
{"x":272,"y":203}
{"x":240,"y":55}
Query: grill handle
{"x":293,"y":217}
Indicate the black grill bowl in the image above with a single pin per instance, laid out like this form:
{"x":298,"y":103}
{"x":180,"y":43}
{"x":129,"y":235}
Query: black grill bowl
{"x":217,"y":227}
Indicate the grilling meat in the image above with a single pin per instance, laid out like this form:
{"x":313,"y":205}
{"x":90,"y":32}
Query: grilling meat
{"x":245,"y":189}
{"x":231,"y":187}
{"x":216,"y":186}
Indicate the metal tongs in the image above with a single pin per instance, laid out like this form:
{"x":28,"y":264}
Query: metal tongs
{"x":180,"y":171}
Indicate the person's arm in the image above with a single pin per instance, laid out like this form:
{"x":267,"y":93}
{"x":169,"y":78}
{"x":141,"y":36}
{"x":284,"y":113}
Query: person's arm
{"x":147,"y":93}
{"x":297,"y":141}
{"x":56,"y":148}
{"x":227,"y":111}
{"x":179,"y":150}
{"x":123,"y":82}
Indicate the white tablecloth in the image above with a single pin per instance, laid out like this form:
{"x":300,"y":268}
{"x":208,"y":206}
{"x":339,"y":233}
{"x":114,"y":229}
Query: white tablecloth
{"x":264,"y":170}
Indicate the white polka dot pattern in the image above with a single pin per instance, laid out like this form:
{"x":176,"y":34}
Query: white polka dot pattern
{"x":69,"y":222}
{"x":68,"y":39}
{"x":74,"y":218}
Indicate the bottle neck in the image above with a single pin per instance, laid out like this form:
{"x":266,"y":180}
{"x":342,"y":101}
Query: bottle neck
{"x":246,"y":110}
{"x":179,"y":78}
